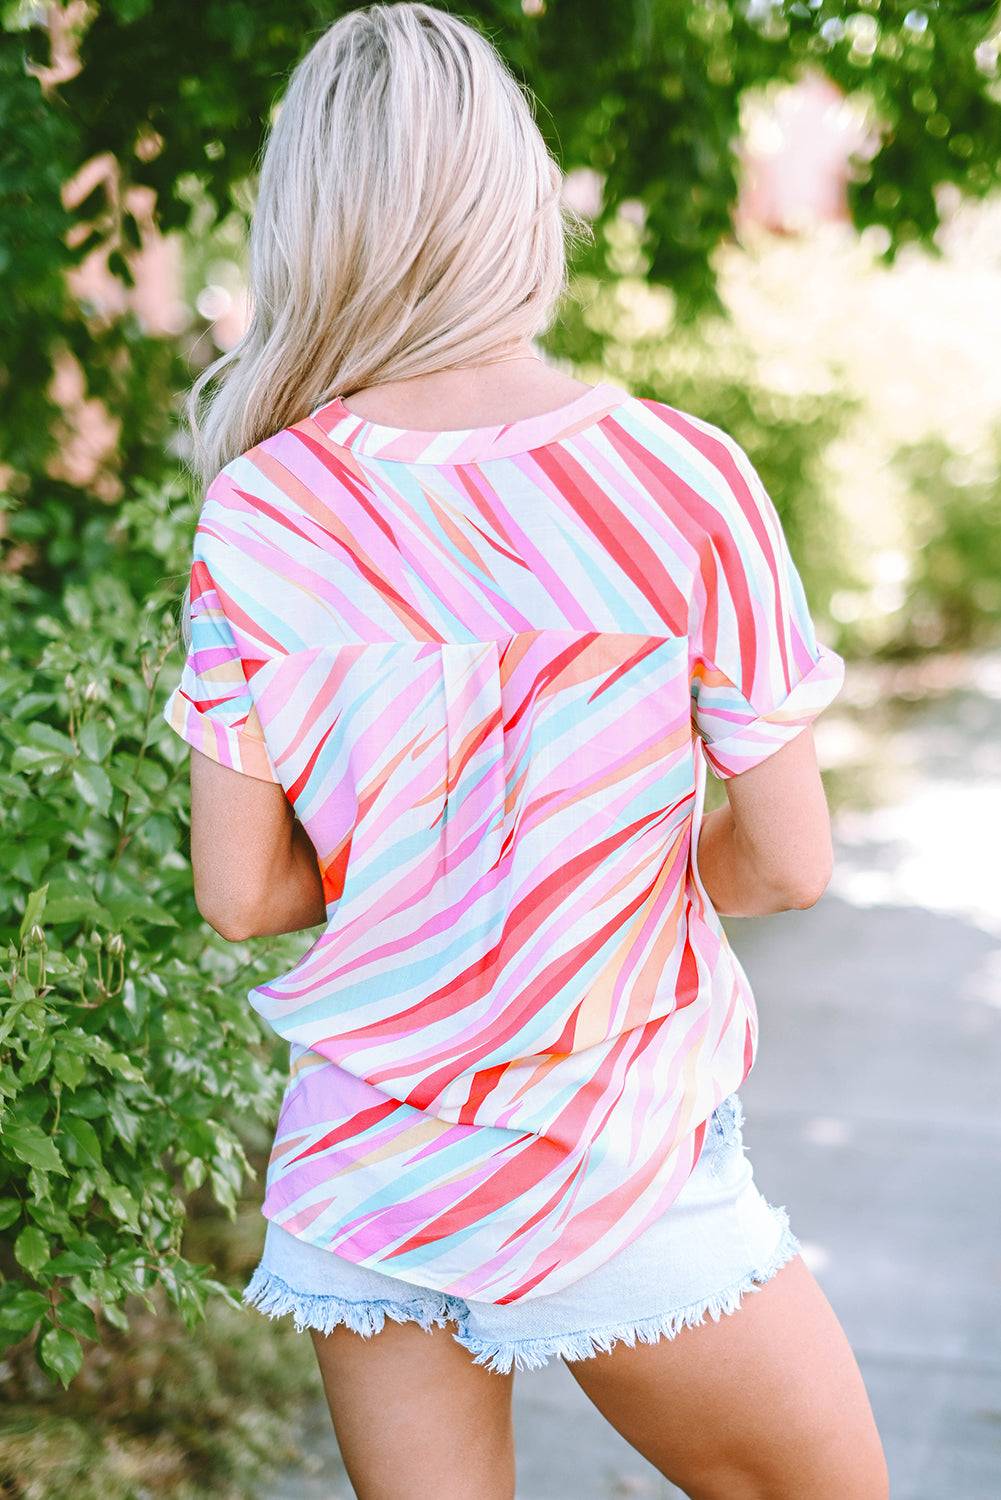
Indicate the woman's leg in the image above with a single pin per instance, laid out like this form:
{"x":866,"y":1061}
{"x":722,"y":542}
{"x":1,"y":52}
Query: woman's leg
{"x":415,"y":1417}
{"x":766,"y":1404}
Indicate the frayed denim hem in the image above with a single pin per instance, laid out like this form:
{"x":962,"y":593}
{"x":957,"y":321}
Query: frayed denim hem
{"x":533,"y":1354}
{"x":274,"y":1297}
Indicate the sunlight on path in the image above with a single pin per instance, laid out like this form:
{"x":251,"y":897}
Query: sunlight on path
{"x":934,"y":841}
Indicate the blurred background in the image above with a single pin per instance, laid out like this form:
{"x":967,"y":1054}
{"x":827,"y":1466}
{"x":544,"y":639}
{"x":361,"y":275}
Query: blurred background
{"x":797,"y":236}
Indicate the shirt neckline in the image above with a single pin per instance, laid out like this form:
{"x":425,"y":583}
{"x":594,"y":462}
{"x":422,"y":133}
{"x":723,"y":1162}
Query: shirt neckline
{"x":461,"y":444}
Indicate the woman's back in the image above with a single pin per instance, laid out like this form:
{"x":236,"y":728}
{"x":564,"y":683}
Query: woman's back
{"x":473,"y":679}
{"x":474,"y":660}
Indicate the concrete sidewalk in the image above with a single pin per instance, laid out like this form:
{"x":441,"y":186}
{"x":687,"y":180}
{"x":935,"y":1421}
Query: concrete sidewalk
{"x":873,"y":1112}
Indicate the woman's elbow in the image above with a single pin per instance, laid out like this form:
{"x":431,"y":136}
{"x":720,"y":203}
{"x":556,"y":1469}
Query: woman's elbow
{"x":232,"y":928}
{"x":807,"y":886}
{"x":233,"y":919}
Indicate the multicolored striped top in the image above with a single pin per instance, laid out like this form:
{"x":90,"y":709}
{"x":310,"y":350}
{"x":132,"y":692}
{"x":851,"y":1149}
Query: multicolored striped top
{"x":487,"y":667}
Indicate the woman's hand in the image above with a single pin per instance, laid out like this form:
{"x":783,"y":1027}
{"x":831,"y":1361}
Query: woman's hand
{"x":254,"y":866}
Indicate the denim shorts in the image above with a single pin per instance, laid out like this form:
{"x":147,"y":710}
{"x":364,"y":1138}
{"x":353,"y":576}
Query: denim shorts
{"x":718,"y":1240}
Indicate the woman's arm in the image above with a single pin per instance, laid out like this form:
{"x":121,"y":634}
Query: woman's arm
{"x":770,"y":848}
{"x":254,"y":866}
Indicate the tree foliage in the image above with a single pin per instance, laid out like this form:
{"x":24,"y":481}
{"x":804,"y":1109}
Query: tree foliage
{"x":645,"y":92}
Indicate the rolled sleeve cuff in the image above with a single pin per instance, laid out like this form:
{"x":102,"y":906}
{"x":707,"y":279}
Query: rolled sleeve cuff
{"x":239,"y":749}
{"x":760,"y":737}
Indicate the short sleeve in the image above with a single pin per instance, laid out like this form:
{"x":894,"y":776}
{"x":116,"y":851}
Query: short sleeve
{"x":758,"y":673}
{"x":211,"y":708}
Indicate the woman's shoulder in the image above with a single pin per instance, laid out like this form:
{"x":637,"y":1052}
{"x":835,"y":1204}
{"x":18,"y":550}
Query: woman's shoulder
{"x":709,"y":438}
{"x":266,"y":478}
{"x":712,"y":471}
{"x":248,"y":502}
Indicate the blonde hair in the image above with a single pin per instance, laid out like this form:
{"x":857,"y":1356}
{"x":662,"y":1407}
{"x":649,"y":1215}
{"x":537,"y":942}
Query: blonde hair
{"x":409,"y":218}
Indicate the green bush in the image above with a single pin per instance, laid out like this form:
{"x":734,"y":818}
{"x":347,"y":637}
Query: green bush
{"x":161,"y":1413}
{"x":127,"y":1048}
{"x":953,"y":595}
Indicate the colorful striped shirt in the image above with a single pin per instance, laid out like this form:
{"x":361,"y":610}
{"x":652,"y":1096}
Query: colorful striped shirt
{"x":488,"y":667}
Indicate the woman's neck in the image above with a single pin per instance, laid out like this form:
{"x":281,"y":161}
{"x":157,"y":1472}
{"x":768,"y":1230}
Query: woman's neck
{"x":506,"y":386}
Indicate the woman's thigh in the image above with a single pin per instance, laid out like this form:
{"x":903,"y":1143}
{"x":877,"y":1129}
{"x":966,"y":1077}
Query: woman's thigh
{"x":766,"y":1404}
{"x":415,"y":1417}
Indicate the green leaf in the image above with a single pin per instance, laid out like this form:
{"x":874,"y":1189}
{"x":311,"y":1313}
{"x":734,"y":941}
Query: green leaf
{"x":61,"y":1353}
{"x":21,"y":1308}
{"x":121,"y":1203}
{"x":81,"y":1190}
{"x":22,"y":990}
{"x":79,"y":606}
{"x":223,"y":1190}
{"x":180,"y":1029}
{"x":70,"y":1068}
{"x":27,"y":860}
{"x":78,"y":1316}
{"x":38,"y":1059}
{"x":40,"y":1190}
{"x":31,"y":1249}
{"x":194,"y":1173}
{"x":24,"y":707}
{"x":32,"y":757}
{"x":73,"y":909}
{"x":107,"y":1285}
{"x":33,"y":909}
{"x":10,"y":1211}
{"x":135,"y":1004}
{"x":93,"y":786}
{"x":160,"y":833}
{"x":115,"y":1315}
{"x":120,"y":772}
{"x":95,"y":740}
{"x":89,"y":1103}
{"x":84,"y":1147}
{"x":30,"y":1144}
{"x":52,"y":1217}
{"x":143,"y":908}
{"x":126,"y":1122}
{"x":120,"y":1065}
{"x":44,"y":737}
{"x":77,"y":1258}
{"x":27,"y":758}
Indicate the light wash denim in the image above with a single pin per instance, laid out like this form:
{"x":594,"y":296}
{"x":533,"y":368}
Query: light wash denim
{"x":718,"y":1240}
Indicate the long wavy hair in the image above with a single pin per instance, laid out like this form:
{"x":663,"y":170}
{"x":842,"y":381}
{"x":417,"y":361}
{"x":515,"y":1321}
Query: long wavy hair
{"x":409,"y":217}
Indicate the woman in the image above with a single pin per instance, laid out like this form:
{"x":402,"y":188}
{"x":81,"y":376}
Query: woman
{"x":464,"y":631}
